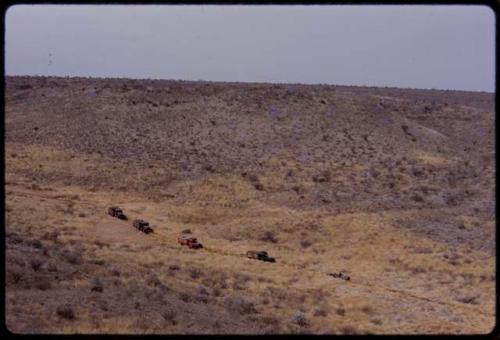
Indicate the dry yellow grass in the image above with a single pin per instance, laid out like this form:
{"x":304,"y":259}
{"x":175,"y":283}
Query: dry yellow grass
{"x":386,"y":272}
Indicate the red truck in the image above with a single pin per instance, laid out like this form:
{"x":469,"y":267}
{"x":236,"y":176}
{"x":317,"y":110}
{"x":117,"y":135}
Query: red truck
{"x":189,"y":241}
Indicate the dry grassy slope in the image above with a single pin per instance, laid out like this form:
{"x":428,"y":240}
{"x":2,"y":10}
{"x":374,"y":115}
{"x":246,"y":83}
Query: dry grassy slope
{"x":394,"y":187}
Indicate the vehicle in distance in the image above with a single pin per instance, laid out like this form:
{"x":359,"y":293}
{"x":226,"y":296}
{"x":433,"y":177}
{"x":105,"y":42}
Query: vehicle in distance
{"x":260,"y":255}
{"x":189,"y":241}
{"x":117,"y":212}
{"x":142,"y":226}
{"x":340,"y":275}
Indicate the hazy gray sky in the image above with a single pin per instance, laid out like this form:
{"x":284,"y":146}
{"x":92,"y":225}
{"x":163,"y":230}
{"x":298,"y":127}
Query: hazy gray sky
{"x":445,"y":47}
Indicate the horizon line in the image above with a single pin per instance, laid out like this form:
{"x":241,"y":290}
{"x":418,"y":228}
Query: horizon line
{"x":247,"y":82}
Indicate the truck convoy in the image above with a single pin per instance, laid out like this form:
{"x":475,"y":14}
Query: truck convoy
{"x":185,"y":239}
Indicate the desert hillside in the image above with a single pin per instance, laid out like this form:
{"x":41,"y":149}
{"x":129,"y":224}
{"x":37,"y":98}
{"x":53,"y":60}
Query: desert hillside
{"x":393,"y":187}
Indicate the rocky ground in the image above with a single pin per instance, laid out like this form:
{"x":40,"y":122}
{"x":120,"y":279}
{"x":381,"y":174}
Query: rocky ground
{"x":394,"y":187}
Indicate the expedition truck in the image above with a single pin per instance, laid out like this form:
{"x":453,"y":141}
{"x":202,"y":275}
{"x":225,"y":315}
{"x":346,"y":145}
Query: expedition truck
{"x":142,"y":226}
{"x":117,"y":212}
{"x":260,"y":255}
{"x":189,"y":241}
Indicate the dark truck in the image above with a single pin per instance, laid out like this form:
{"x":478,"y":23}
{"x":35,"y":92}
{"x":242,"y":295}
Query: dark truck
{"x":117,"y":212}
{"x":340,"y":275}
{"x":142,"y":226}
{"x":260,"y":255}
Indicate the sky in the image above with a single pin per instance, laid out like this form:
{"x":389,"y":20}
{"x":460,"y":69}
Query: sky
{"x":412,"y":46}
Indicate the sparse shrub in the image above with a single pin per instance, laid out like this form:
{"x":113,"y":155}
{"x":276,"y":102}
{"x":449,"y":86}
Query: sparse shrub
{"x":104,"y":306}
{"x":185,"y":297}
{"x":320,"y":312}
{"x":451,"y":200}
{"x":367,"y":309}
{"x":269,"y":236}
{"x":36,"y":264}
{"x":100,"y":244}
{"x":174,"y":267}
{"x":42,"y":282}
{"x":300,"y":319}
{"x":305,"y":243}
{"x":417,"y":198}
{"x":82,"y":214}
{"x":202,"y":290}
{"x":259,"y":186}
{"x":115,"y":272}
{"x":239,"y":305}
{"x":417,"y":172}
{"x":423,"y":250}
{"x":470,"y":299}
{"x":201,"y":298}
{"x":98,"y":262}
{"x":52,"y":267}
{"x":340,"y":311}
{"x":376,"y":321}
{"x":52,"y":236}
{"x":153,"y":280}
{"x":240,"y":281}
{"x":253,"y":178}
{"x":13,"y":238}
{"x":36,"y":244}
{"x":15,"y":275}
{"x":169,"y":316}
{"x":195,"y":273}
{"x":97,"y":285}
{"x":35,"y":187}
{"x":186,"y":231}
{"x":66,"y":312}
{"x":143,"y":324}
{"x":322,"y":177}
{"x":374,"y":172}
{"x":418,"y":270}
{"x":73,"y":257}
{"x":349,"y":330}
{"x":319,"y":295}
{"x":272,"y":321}
{"x":25,"y":87}
{"x":394,"y":260}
